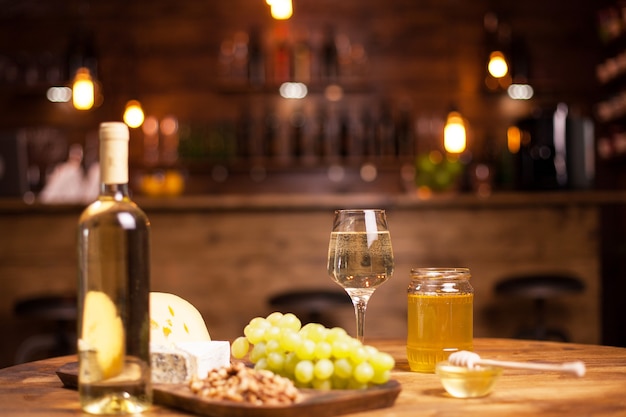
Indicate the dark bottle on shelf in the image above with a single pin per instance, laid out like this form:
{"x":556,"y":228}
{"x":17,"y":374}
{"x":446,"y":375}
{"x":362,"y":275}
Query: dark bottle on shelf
{"x":386,"y":133}
{"x":256,"y":59}
{"x":282,"y":58}
{"x":330,"y":56}
{"x":302,"y":62}
{"x":297,"y":137}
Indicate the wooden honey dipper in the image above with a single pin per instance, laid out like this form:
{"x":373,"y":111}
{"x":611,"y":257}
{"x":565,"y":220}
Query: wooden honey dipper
{"x":472,"y":359}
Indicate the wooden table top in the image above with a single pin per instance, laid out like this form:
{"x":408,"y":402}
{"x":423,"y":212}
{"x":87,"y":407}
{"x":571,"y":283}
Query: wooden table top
{"x":33,"y":389}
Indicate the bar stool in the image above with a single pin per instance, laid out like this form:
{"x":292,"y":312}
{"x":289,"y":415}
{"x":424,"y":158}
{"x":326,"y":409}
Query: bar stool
{"x":61,"y":310}
{"x":540,"y":288}
{"x":311,"y":306}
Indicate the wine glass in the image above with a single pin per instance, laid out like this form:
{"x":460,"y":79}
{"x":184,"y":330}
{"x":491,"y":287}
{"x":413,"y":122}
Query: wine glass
{"x":360,"y":257}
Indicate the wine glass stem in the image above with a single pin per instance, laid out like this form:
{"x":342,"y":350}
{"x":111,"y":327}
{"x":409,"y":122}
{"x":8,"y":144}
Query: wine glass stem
{"x":360,"y":305}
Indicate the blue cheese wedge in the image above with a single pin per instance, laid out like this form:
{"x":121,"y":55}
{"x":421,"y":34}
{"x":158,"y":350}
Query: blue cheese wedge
{"x":171,"y":365}
{"x":208,"y":355}
{"x":182,"y":361}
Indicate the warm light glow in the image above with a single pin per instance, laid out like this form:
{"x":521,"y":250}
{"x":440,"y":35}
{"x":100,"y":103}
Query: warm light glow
{"x":150,"y":126}
{"x":520,"y":91}
{"x":83,"y":90}
{"x":169,"y":125}
{"x":133,"y":115}
{"x":59,"y":94}
{"x":454,"y":136}
{"x":293,"y":90}
{"x":280,"y":9}
{"x":497,"y":65}
{"x":513,"y":139}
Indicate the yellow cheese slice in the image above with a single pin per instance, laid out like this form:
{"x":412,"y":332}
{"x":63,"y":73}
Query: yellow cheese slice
{"x":103,"y":333}
{"x":174,"y":319}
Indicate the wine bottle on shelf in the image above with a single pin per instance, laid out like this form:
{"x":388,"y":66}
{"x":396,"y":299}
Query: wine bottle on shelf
{"x":113,"y":289}
{"x":330,"y":56}
{"x":256,"y":61}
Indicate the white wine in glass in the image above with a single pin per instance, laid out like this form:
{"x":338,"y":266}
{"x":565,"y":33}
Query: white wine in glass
{"x":360,"y":257}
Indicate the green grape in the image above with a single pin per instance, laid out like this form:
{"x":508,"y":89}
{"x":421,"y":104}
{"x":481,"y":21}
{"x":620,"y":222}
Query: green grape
{"x":271,"y":333}
{"x":255,"y":334}
{"x":336,"y":333}
{"x":323,"y":350}
{"x":303,"y":372}
{"x":258,"y":352}
{"x":274,"y":318}
{"x":358,"y":355}
{"x":304,"y":330}
{"x":340,"y":349}
{"x":275,"y":362}
{"x":289,"y":339}
{"x":322,"y":384}
{"x":272,"y":345}
{"x":291,"y":360}
{"x":311,"y":355}
{"x":261,"y":364}
{"x":382,"y":361}
{"x":338,"y":382}
{"x":354,"y":384}
{"x":260,"y":322}
{"x":290,"y":321}
{"x":323,"y":369}
{"x":353,"y":343}
{"x":371,"y":350}
{"x":317,"y":333}
{"x":240,"y":347}
{"x":363,"y":372}
{"x":343,"y":368}
{"x":381,"y":376}
{"x":306,"y":349}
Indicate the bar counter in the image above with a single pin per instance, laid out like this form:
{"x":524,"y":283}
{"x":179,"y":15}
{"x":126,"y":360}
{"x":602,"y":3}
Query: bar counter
{"x":312,"y":201}
{"x":33,"y":389}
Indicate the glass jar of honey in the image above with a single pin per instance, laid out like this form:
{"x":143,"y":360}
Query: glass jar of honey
{"x":440,"y":316}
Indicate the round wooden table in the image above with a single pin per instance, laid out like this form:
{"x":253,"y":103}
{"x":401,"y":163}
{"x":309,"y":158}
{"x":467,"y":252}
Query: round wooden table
{"x":34,"y":390}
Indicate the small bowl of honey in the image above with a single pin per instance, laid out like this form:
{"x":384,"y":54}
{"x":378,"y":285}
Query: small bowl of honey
{"x":463,"y":382}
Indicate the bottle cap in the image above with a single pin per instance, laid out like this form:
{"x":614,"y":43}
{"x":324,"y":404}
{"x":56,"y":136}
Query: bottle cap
{"x":114,"y":131}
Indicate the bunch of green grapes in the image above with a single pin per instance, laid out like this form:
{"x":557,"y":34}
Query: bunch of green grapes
{"x":312,"y":355}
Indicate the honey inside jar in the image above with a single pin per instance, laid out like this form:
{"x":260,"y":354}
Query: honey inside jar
{"x":438,"y":324}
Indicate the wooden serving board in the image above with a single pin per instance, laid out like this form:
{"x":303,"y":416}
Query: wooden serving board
{"x":313,"y":404}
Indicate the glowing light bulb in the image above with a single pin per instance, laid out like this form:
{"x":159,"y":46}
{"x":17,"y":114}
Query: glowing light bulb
{"x":513,"y":139}
{"x":454,"y":135}
{"x":497,"y":65}
{"x":83,"y":90}
{"x":133,"y":115}
{"x":280,"y":9}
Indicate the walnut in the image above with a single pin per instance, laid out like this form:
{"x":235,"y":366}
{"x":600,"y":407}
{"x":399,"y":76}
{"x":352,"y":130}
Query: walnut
{"x":242,"y":384}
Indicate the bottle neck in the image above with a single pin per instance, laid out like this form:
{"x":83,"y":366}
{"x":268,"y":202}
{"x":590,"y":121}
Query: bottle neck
{"x":114,"y":168}
{"x":117,"y":192}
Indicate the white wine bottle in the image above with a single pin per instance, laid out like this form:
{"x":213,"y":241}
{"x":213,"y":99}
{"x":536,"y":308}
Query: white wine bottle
{"x":114,"y":289}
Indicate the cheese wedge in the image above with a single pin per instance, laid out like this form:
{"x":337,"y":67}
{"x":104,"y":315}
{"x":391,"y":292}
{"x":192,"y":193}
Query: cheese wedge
{"x":208,"y":355}
{"x":173,"y":319}
{"x":178,"y":363}
{"x":102,"y":335}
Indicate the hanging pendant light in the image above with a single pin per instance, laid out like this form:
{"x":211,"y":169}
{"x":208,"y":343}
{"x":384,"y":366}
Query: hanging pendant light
{"x":497,"y":65}
{"x":133,"y":114}
{"x":83,"y":90}
{"x":454,"y":133}
{"x":280,"y":9}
